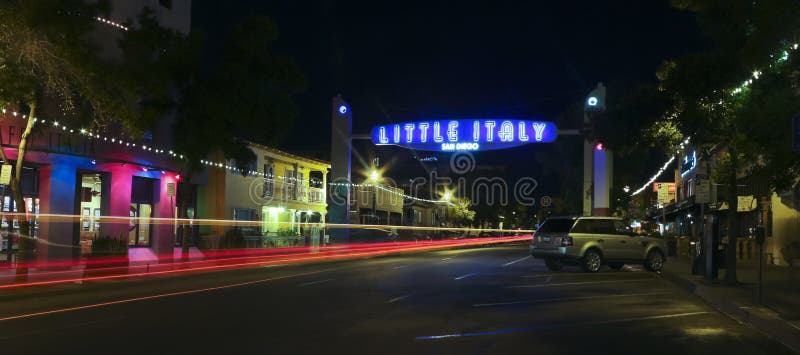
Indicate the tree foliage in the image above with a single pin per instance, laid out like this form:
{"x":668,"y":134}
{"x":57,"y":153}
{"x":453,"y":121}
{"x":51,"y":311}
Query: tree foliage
{"x":738,"y":97}
{"x":247,"y":96}
{"x":50,"y":63}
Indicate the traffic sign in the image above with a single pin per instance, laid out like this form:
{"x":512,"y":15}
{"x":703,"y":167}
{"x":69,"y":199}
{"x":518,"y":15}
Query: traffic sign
{"x":5,"y":174}
{"x":702,"y":192}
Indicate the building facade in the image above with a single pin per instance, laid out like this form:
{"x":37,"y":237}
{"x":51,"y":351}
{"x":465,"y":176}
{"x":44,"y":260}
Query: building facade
{"x":281,"y":199}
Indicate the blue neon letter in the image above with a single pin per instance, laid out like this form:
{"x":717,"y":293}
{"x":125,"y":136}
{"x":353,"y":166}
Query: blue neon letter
{"x":396,"y":136}
{"x":476,"y":131}
{"x":452,"y":131}
{"x":489,"y":130}
{"x":523,"y":135}
{"x":538,"y":128}
{"x":423,"y":135}
{"x":437,"y":133}
{"x":506,"y":133}
{"x":383,"y":139}
{"x":409,"y":132}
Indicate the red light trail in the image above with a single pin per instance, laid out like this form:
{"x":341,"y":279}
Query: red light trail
{"x":227,"y":259}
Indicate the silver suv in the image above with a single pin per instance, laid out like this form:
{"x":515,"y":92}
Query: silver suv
{"x":593,"y":241}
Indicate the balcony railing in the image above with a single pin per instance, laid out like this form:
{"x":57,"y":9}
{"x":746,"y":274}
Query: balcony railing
{"x":297,"y":194}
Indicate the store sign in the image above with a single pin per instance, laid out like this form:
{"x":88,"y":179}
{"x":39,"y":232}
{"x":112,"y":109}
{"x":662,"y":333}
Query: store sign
{"x":666,"y":192}
{"x":170,"y":189}
{"x":688,"y":163}
{"x":5,"y":174}
{"x":702,"y":191}
{"x":746,"y":203}
{"x":465,"y":135}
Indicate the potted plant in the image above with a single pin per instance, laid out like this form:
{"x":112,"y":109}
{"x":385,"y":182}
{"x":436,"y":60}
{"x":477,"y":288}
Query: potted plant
{"x":791,"y":253}
{"x":108,"y":255}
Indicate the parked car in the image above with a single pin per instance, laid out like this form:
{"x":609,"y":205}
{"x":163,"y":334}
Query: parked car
{"x":593,"y":241}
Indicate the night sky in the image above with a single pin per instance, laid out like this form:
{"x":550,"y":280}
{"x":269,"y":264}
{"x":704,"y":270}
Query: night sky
{"x":397,"y":61}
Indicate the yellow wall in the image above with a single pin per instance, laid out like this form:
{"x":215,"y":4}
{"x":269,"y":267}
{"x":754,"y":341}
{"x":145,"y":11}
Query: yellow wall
{"x":247,"y":192}
{"x":785,"y":228}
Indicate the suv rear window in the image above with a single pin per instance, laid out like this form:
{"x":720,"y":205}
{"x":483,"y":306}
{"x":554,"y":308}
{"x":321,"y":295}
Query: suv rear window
{"x":556,"y":226}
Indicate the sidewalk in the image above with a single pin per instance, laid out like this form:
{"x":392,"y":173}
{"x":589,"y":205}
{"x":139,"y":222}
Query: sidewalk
{"x":778,"y":317}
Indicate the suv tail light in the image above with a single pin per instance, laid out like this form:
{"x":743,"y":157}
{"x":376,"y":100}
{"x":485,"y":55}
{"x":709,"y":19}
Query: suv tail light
{"x":566,"y":241}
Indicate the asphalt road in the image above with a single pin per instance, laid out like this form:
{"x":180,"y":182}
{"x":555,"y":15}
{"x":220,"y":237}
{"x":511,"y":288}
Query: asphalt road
{"x":468,"y":301}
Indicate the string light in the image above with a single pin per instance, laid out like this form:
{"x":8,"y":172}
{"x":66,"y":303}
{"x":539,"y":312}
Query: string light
{"x":111,"y":23}
{"x":756,"y":74}
{"x":387,"y":190}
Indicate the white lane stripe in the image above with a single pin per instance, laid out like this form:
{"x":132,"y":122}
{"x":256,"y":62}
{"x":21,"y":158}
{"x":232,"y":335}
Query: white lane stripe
{"x":314,"y":282}
{"x":515,"y":261}
{"x":465,"y":276}
{"x":577,"y":283}
{"x":399,"y":267}
{"x":393,"y":300}
{"x":545,"y":300}
{"x":445,"y":259}
{"x":556,"y":326}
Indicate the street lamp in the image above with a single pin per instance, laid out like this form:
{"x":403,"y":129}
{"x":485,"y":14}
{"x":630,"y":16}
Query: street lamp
{"x":374,"y":176}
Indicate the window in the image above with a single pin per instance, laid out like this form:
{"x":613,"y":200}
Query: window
{"x":583,"y":226}
{"x":289,"y":183}
{"x":603,"y":226}
{"x":622,"y":228}
{"x":556,"y":226}
{"x":90,"y":209}
{"x":141,"y":211}
{"x":269,"y":178}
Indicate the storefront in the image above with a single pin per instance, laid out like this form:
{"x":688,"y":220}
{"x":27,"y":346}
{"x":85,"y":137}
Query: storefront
{"x":112,"y":188}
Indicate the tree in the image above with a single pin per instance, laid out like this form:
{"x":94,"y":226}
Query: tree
{"x":461,"y":211}
{"x":713,"y":105}
{"x":247,"y":96}
{"x":46,"y":55}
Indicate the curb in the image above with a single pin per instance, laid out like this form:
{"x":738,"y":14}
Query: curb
{"x":762,"y":319}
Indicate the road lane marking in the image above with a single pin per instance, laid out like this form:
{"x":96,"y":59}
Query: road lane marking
{"x":445,"y":259}
{"x":161,"y":295}
{"x":556,"y":326}
{"x":465,"y":276}
{"x":545,"y":300}
{"x":314,"y":282}
{"x":399,"y":267}
{"x":577,"y":283}
{"x":515,"y":261}
{"x":393,"y":300}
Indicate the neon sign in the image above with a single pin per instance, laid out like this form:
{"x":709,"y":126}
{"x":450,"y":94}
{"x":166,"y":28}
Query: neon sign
{"x":689,"y":163}
{"x":465,"y":134}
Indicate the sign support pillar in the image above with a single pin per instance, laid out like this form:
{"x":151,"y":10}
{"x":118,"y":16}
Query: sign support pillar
{"x":341,"y":149}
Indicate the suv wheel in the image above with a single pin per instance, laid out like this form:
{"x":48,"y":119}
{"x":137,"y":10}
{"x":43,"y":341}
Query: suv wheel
{"x":655,"y":261}
{"x":592,"y":260}
{"x":553,"y":264}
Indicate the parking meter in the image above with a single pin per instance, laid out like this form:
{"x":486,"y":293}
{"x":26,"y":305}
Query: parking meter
{"x":760,"y":234}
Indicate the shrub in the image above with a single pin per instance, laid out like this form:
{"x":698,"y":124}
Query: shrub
{"x":232,"y":239}
{"x":109,"y":246}
{"x":791,"y":251}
